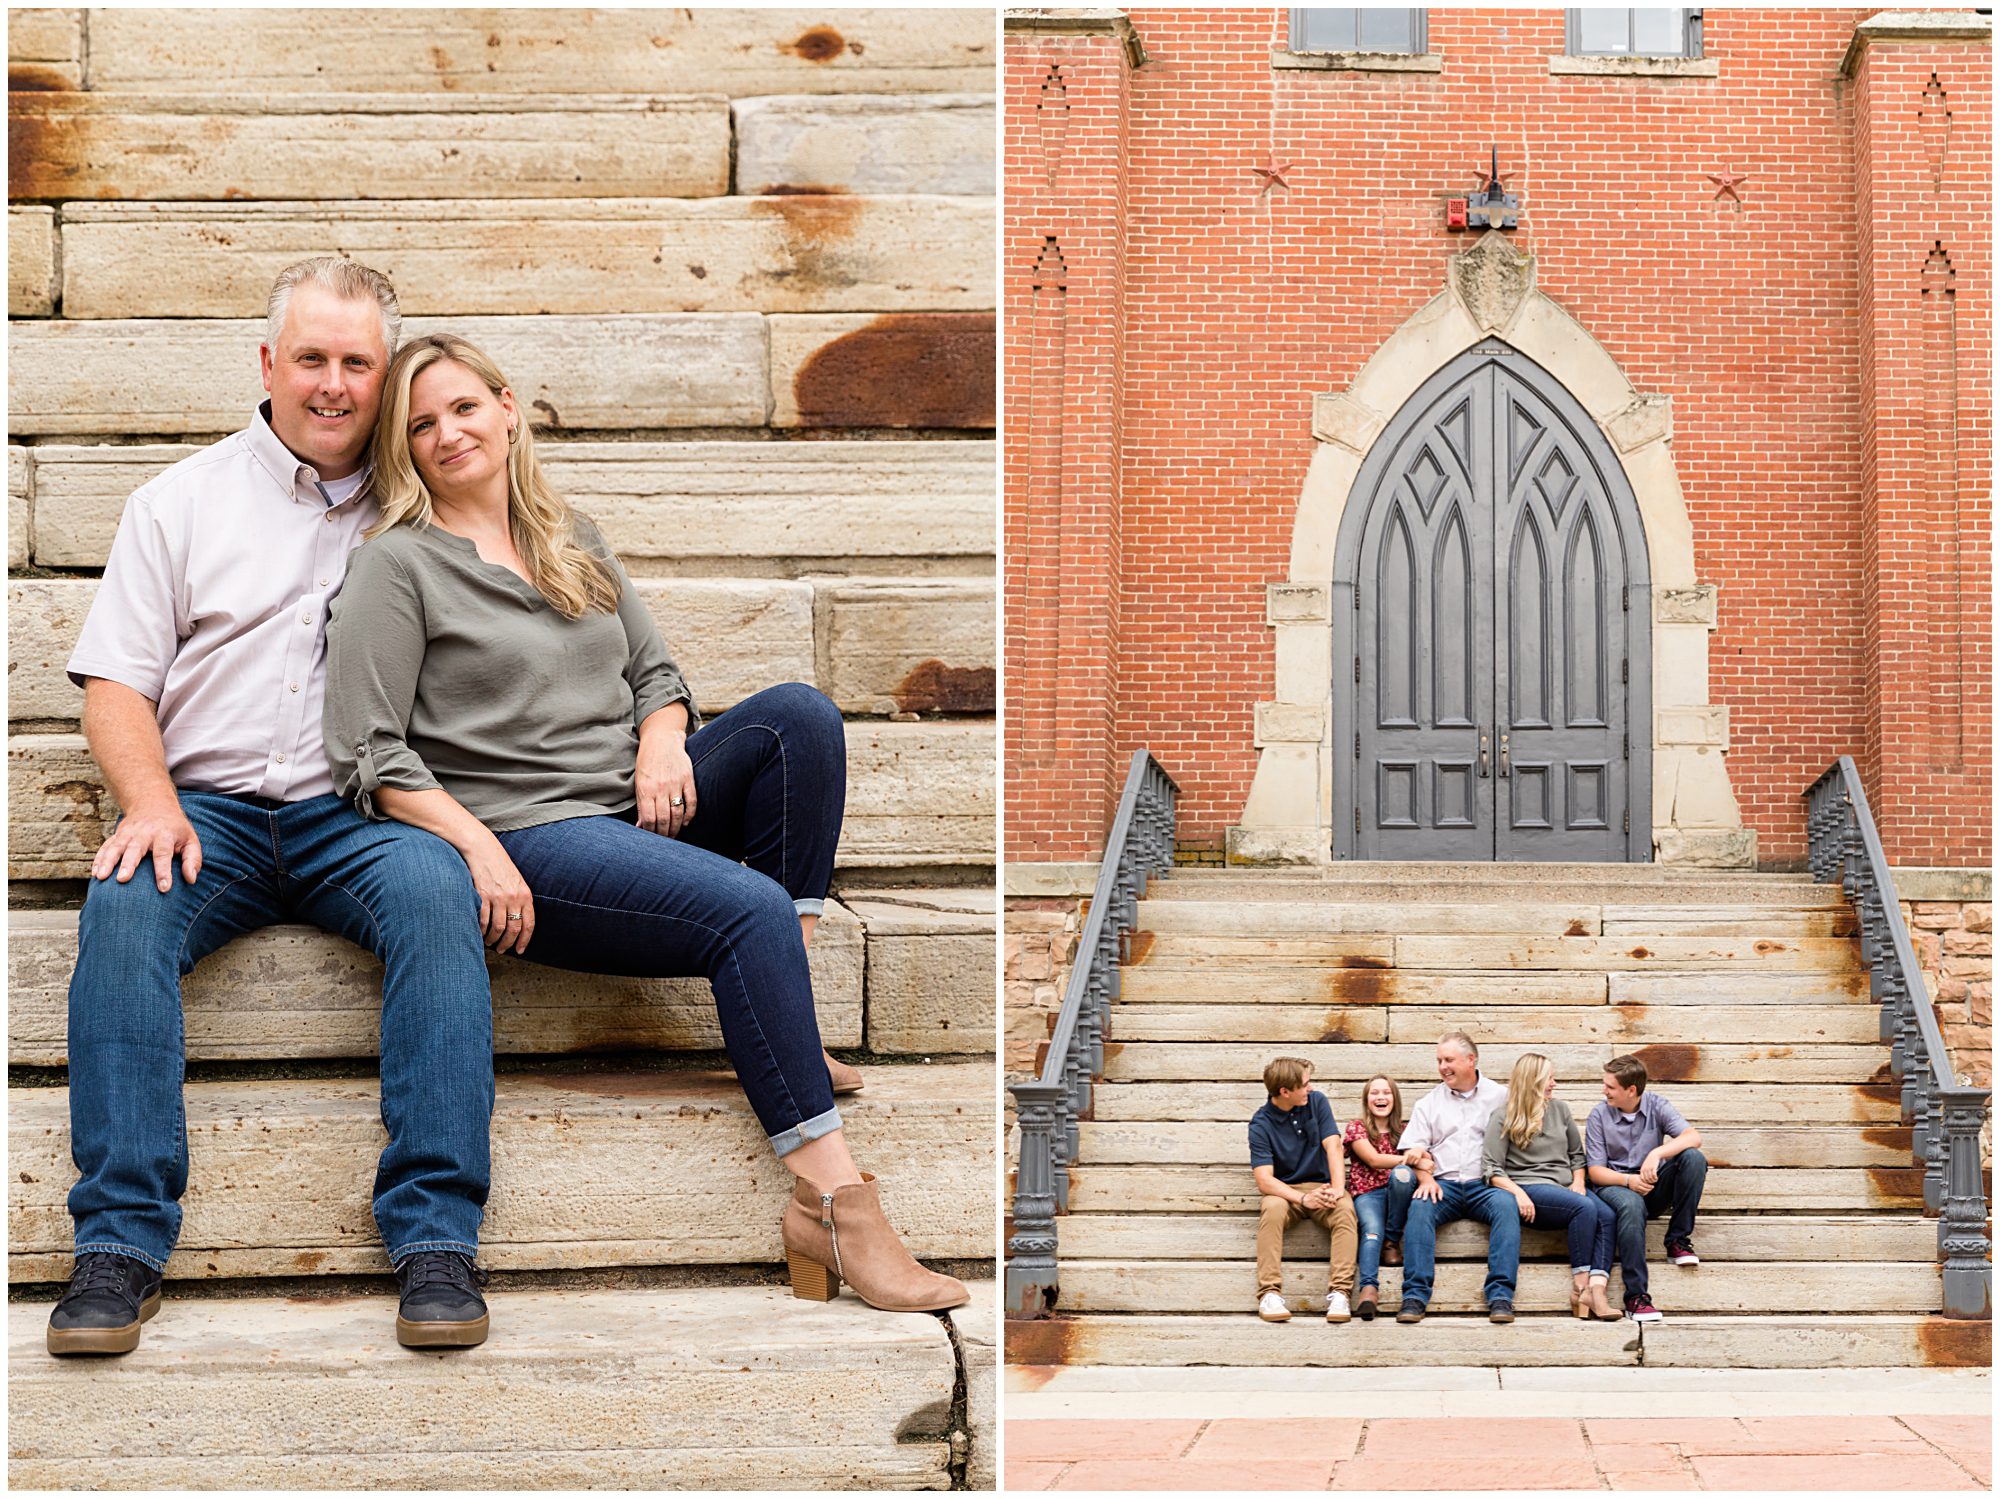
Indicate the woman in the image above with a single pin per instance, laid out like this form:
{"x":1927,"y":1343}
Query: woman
{"x":1534,"y":1150}
{"x":494,"y":679}
{"x":1381,"y":1184}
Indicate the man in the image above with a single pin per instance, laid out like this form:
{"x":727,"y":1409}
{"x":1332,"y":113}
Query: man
{"x":1298,"y":1163}
{"x":1448,"y":1127}
{"x":203,"y":667}
{"x":1644,"y":1159}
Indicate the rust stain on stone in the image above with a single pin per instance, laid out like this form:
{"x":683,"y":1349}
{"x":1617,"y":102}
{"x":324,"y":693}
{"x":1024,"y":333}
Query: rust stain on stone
{"x":1895,"y":1136}
{"x":1138,"y":947}
{"x":1363,"y":985}
{"x":1880,"y":1092}
{"x":1947,"y":1341}
{"x":933,"y":687}
{"x":1897,"y":1184}
{"x":1048,"y":1340}
{"x":1883,"y":1077}
{"x":1032,"y":1377}
{"x":802,"y":190}
{"x":1576,"y":928}
{"x":1642,"y":952}
{"x":1670,"y":1062}
{"x":308,"y":1260}
{"x":1769,"y":947}
{"x":1335,"y":1024}
{"x":902,"y":370}
{"x":820,"y":44}
{"x":85,"y":794}
{"x":33,"y":78}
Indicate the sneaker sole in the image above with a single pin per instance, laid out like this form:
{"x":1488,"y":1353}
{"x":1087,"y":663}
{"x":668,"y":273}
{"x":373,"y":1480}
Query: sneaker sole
{"x":441,"y":1334}
{"x":1654,"y":1317}
{"x":1267,"y":1317}
{"x":1408,"y":1320}
{"x":1343,"y":1317}
{"x":65,"y":1341}
{"x":1499,"y":1316}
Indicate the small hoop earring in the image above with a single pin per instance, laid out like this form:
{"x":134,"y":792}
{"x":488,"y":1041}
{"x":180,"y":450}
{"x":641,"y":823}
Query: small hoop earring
{"x":513,"y":435}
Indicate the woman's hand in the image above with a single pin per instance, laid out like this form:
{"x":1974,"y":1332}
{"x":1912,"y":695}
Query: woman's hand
{"x":1527,"y":1206}
{"x":665,"y":782}
{"x":506,"y":906}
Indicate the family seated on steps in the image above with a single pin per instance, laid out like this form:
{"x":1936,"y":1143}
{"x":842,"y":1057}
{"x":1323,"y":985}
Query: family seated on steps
{"x":1472,"y":1149}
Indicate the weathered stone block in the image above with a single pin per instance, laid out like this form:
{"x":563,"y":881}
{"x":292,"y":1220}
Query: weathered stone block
{"x":542,"y":51}
{"x":20,"y":467}
{"x":1968,"y":944}
{"x":31,"y":262}
{"x":1685,"y":606}
{"x":1297,"y":603}
{"x":930,"y":969}
{"x":1707,"y":848}
{"x":907,"y":646}
{"x":44,"y":49}
{"x":1647,"y":419}
{"x":978,"y":1344}
{"x":908,"y":369}
{"x":1342,"y":419}
{"x":167,"y":376}
{"x":852,"y":144}
{"x":452,"y":258}
{"x":320,"y":145}
{"x":1289,"y":723}
{"x":1699,"y":726}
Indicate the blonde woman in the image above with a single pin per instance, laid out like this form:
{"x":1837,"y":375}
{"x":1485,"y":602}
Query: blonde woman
{"x":494,"y":679}
{"x":1535,"y":1151}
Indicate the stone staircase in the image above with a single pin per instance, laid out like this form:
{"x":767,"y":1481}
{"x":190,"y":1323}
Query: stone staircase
{"x":1743,"y":993}
{"x":741,"y":265}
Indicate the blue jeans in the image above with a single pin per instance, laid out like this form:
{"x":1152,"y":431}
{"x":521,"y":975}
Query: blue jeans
{"x":1677,"y":1193}
{"x":610,"y":897}
{"x":1476,"y":1200}
{"x":1588,"y":1220}
{"x":396,"y":890}
{"x":1381,"y":1213}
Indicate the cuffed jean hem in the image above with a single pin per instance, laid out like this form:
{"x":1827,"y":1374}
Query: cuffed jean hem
{"x":125,"y":1249}
{"x":433,"y":1246}
{"x":811,"y":1129}
{"x":809,"y":907}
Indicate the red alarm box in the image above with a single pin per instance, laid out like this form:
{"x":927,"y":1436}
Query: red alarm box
{"x":1454,"y":213}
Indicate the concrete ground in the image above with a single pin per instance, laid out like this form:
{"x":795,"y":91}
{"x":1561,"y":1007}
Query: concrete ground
{"x":1545,"y":1428}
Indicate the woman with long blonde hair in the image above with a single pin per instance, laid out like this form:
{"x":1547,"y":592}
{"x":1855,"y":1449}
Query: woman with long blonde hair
{"x":493,"y":678}
{"x":1535,"y":1150}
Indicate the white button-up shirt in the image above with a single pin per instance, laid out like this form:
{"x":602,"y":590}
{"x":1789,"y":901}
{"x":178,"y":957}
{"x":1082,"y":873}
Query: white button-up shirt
{"x":1452,"y":1127}
{"x":213,"y":605}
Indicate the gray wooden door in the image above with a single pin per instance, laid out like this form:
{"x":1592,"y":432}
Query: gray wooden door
{"x":1492,"y":593}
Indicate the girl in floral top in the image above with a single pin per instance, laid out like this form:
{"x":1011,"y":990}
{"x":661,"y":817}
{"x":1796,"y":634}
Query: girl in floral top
{"x":1381,"y":1185}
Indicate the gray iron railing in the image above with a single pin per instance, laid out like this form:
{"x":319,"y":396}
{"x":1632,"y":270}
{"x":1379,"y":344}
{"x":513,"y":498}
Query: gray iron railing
{"x":1945,"y":1115}
{"x":1140,"y":846}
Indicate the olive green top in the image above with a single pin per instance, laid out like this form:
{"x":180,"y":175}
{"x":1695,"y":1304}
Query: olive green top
{"x":447,"y":670}
{"x":1552,"y":1156}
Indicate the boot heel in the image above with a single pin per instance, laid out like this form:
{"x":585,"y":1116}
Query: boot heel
{"x":811,"y":1281}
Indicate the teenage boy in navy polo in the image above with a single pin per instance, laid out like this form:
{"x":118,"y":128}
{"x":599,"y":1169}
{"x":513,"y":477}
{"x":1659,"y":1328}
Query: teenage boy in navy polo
{"x":1644,"y":1159}
{"x":1298,"y":1162}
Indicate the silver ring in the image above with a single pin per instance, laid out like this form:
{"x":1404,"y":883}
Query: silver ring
{"x":513,"y":915}
{"x":679,"y":801}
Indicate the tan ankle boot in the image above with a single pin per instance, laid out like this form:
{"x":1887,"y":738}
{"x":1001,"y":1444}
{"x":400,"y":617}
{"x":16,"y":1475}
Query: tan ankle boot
{"x":842,"y":1235}
{"x":845,"y":1078}
{"x":1600,"y":1304}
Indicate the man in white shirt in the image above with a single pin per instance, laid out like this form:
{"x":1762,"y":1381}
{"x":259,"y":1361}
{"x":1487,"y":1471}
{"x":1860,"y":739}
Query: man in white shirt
{"x":1448,"y":1127}
{"x":203,"y":667}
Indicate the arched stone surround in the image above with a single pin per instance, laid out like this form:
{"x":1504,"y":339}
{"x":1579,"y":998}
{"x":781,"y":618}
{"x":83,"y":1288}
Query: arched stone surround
{"x":1490,"y":290}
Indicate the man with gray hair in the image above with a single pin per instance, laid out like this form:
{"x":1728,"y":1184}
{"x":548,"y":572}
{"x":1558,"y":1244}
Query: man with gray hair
{"x":203,"y":667}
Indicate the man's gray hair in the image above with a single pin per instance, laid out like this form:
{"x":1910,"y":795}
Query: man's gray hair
{"x":1462,"y":1041}
{"x":347,"y":279}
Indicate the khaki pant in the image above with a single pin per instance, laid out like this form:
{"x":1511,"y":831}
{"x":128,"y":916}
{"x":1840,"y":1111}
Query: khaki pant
{"x":1278,"y":1213}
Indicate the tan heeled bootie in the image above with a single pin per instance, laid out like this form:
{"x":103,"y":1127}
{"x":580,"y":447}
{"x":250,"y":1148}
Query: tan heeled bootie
{"x":845,"y":1079}
{"x":842,"y":1235}
{"x":1600,"y":1304}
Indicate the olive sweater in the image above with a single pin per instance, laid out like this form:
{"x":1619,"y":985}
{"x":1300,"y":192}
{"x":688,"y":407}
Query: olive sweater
{"x":1552,"y":1156}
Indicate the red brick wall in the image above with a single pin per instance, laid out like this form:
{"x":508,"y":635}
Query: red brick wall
{"x":1233,"y":309}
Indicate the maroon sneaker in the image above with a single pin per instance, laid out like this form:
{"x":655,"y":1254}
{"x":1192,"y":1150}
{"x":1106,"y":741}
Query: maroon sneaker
{"x":1681,"y":1252}
{"x":1641,"y":1309}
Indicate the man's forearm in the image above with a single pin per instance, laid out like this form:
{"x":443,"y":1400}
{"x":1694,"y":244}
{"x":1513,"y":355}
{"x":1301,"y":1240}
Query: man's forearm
{"x":1687,"y":1139}
{"x":122,"y":727}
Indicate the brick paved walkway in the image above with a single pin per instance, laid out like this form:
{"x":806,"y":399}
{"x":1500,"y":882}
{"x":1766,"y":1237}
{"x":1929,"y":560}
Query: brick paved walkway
{"x":1787,"y":1453}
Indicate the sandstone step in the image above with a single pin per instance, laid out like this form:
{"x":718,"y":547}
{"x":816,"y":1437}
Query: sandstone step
{"x":1357,"y":986}
{"x":854,"y":144}
{"x":734,"y":507}
{"x":1764,"y":923}
{"x":539,"y":51}
{"x":32,"y":265}
{"x":1198,"y":917}
{"x":454,"y":257}
{"x":1811,"y":1341}
{"x":1224,"y":1143}
{"x":1228,"y":1189}
{"x":20,"y":540}
{"x":903,"y":645}
{"x":271,"y":143}
{"x":45,"y":49}
{"x":1614,"y":1025}
{"x":1240,"y":1339}
{"x":1217,"y":1286}
{"x":1726,"y":1240}
{"x":589,"y":1169}
{"x":1764,"y":946}
{"x":1705,"y":1103}
{"x":573,"y":1389}
{"x":929,"y":961}
{"x":918,"y":794}
{"x":1666,"y":1062}
{"x":1506,"y":875}
{"x":1800,"y":895}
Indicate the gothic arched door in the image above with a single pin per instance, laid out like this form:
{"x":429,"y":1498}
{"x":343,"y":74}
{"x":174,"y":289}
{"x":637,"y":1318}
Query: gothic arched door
{"x":1492,"y":640}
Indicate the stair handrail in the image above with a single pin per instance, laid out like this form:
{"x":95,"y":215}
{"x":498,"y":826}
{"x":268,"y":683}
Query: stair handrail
{"x":1945,"y":1115}
{"x":1139,"y":846}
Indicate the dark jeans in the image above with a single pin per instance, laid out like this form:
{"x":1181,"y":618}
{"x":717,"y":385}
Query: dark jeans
{"x":1588,"y":1220}
{"x":396,"y":890}
{"x":1677,"y":1193}
{"x":1381,"y":1213}
{"x":1476,"y":1200}
{"x":770,"y":786}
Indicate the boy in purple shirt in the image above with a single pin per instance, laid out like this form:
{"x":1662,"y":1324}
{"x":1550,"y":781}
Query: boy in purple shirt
{"x":1644,"y":1159}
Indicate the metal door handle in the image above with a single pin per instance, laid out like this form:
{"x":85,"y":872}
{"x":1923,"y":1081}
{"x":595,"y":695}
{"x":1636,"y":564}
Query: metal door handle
{"x":1505,"y":769}
{"x":1484,"y":767}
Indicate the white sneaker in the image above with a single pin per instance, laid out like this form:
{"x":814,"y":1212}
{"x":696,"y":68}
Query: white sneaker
{"x":1271,"y":1307}
{"x":1336,"y":1307}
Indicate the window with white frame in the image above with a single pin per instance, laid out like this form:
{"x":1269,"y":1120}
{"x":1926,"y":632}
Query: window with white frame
{"x":1633,"y":33}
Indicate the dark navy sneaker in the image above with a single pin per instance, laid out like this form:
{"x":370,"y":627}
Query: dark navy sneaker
{"x":1413,"y":1311}
{"x":109,"y":1295}
{"x":1499,"y":1311}
{"x":441,"y":1307}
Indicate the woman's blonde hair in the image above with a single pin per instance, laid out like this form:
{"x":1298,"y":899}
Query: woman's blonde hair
{"x":1527,"y":1097}
{"x":573,"y":579}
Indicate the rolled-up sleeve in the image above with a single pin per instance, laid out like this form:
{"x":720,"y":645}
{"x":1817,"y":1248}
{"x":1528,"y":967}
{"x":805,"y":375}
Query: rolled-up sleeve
{"x":650,"y":672}
{"x":136,"y":623}
{"x":1575,"y":1141}
{"x":1493,"y":1153}
{"x":375,"y":640}
{"x":1596,"y":1149}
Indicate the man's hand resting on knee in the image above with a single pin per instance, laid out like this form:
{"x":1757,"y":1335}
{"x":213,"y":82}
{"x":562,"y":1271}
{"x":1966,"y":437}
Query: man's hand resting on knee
{"x":123,"y":730}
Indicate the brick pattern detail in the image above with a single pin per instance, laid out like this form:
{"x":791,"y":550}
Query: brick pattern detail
{"x":1811,"y":377}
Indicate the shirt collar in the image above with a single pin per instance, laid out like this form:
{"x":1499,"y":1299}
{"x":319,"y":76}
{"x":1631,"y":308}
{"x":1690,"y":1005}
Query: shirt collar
{"x":281,"y":463}
{"x":1471,"y":1093}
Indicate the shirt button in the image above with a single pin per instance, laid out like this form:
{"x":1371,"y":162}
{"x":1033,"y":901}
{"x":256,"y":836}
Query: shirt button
{"x":281,"y":759}
{"x":322,"y":582}
{"x":329,"y":517}
{"x":306,"y":618}
{"x":295,"y":686}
